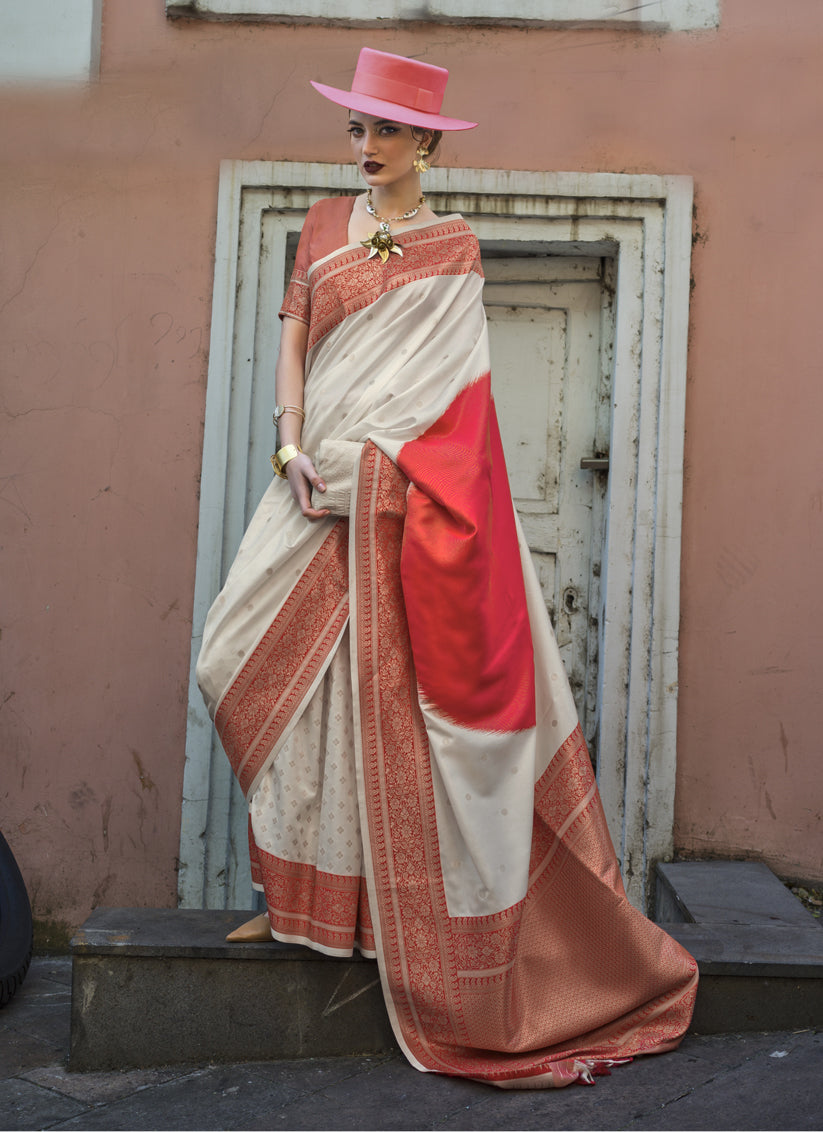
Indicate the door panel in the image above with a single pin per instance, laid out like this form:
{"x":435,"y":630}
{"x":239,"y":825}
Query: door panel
{"x":548,"y":341}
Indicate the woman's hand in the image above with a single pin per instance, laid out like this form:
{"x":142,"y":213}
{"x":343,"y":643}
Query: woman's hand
{"x":302,"y":476}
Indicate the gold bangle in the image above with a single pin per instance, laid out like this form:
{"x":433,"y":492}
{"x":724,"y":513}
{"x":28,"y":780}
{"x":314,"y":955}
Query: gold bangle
{"x":282,"y":457}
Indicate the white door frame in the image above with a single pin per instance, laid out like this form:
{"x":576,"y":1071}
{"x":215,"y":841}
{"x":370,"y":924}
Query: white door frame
{"x":645,"y":223}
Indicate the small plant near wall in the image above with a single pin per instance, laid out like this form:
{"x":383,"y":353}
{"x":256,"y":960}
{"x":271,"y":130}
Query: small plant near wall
{"x":811,"y":898}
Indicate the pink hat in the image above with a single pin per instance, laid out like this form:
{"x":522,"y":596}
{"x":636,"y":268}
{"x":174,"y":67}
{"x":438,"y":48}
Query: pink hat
{"x":391,"y":86}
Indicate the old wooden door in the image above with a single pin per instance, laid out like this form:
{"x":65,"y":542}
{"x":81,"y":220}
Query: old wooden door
{"x":550,"y":329}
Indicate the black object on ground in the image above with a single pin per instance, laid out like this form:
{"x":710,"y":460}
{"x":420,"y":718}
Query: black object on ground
{"x":16,"y":940}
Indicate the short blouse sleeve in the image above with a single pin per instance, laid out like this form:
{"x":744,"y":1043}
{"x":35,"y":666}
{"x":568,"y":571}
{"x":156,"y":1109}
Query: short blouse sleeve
{"x":296,"y":302}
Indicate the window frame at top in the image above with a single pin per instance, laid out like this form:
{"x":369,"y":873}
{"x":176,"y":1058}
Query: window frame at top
{"x":654,"y":15}
{"x":50,"y":42}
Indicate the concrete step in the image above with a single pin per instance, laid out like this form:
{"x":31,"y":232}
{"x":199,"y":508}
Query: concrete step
{"x":161,"y":986}
{"x":760,"y":953}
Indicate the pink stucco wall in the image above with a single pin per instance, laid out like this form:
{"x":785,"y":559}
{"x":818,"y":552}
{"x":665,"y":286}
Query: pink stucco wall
{"x":108,"y":198}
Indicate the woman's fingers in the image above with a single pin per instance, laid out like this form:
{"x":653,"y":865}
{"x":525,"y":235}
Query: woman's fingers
{"x":303,"y":476}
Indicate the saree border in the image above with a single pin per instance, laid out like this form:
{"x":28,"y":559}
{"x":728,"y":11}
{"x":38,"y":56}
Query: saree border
{"x":349,"y":280}
{"x":270,"y":690}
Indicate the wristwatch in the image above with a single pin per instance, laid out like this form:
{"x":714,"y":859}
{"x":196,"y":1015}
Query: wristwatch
{"x":279,"y":410}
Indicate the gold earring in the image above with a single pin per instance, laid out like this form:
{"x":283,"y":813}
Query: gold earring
{"x":420,"y":163}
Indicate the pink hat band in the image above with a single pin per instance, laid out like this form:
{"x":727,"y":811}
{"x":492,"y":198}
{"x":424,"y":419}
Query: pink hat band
{"x":394,"y":87}
{"x":394,"y":90}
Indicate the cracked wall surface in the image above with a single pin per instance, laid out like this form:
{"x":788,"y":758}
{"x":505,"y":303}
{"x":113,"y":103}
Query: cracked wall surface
{"x":108,"y":193}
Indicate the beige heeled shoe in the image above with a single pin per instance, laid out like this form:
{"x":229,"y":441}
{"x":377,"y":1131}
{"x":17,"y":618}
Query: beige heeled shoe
{"x":253,"y":931}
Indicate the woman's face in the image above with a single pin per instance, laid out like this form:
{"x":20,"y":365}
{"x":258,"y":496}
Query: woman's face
{"x":384,"y":150}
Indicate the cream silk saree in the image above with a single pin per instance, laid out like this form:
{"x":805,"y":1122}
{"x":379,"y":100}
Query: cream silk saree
{"x":389,"y":692}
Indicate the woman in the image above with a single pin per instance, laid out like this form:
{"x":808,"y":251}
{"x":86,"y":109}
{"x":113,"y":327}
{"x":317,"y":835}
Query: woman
{"x":382,"y":672}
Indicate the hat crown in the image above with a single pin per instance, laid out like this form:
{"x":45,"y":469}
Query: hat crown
{"x":408,"y":82}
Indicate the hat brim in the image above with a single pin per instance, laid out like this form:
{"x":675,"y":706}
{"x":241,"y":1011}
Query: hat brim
{"x":378,"y":108}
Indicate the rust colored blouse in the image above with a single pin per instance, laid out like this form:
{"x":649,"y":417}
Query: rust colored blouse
{"x":325,"y":229}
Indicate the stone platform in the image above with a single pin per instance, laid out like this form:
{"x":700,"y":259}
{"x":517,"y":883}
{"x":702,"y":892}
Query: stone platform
{"x":161,"y":986}
{"x":760,"y":953}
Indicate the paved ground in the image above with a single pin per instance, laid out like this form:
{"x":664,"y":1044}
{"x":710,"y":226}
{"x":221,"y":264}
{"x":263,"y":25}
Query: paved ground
{"x":734,"y":1081}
